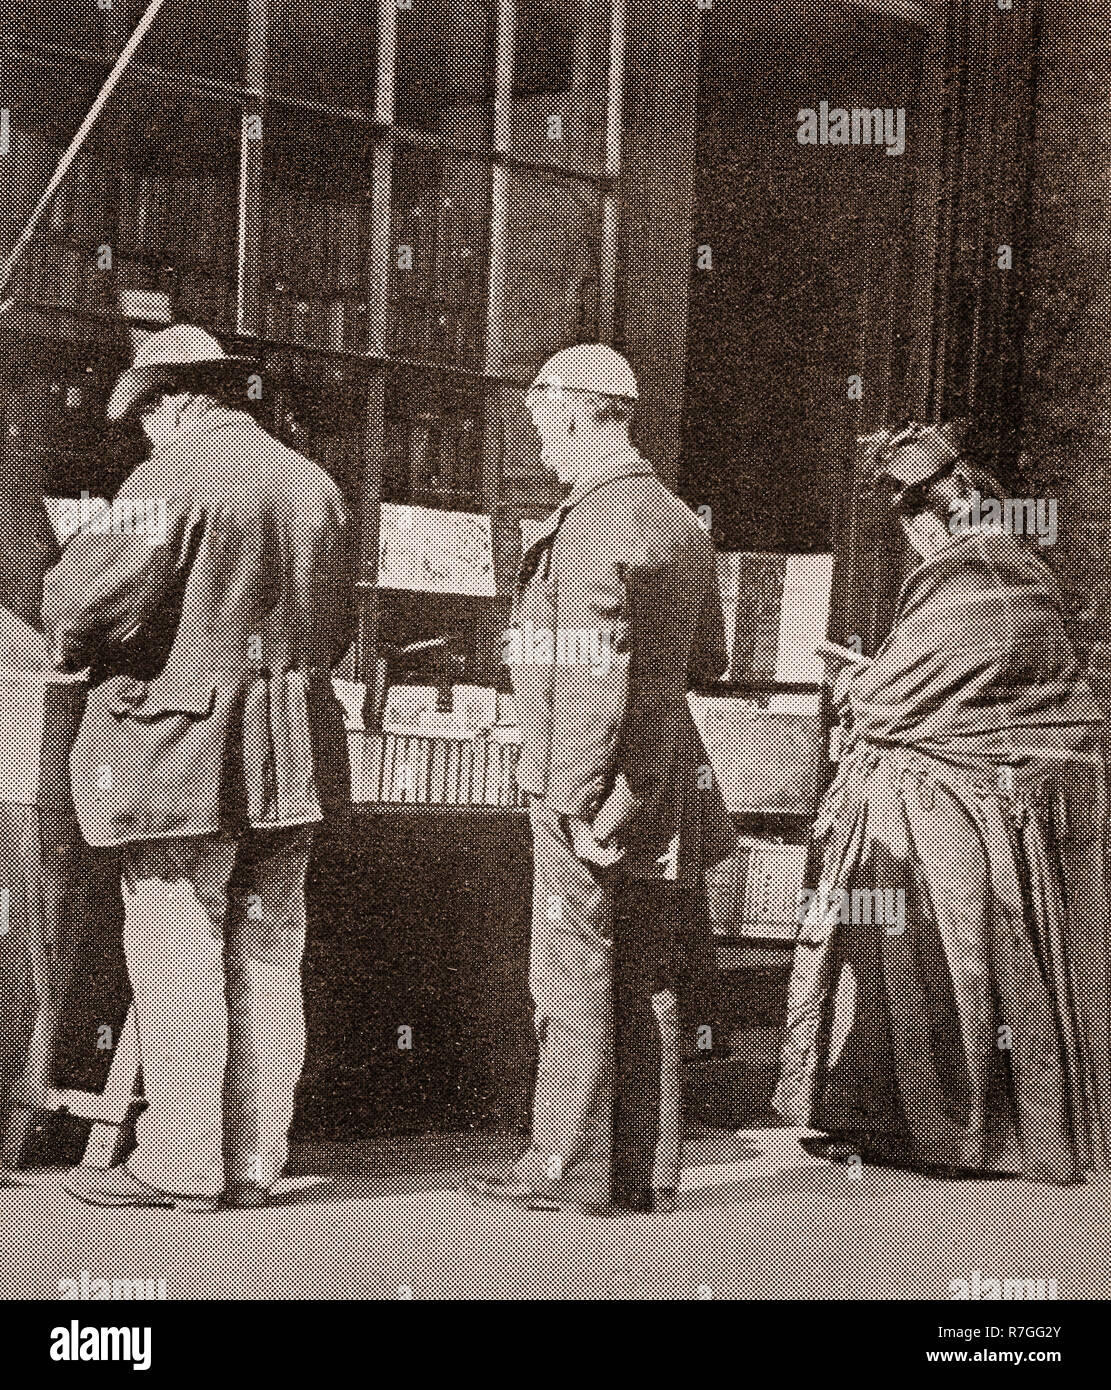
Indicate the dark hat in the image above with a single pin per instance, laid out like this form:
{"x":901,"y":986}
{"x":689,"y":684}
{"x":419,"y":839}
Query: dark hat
{"x":917,"y":454}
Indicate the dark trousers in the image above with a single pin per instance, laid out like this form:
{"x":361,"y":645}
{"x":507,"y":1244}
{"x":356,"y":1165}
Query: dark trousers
{"x":607,"y":1109}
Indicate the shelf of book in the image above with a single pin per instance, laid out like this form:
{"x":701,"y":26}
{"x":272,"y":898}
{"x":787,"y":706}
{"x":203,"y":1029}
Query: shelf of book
{"x":322,"y":189}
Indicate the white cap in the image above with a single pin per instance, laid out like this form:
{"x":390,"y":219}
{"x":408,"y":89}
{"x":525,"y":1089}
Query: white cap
{"x":589,"y":367}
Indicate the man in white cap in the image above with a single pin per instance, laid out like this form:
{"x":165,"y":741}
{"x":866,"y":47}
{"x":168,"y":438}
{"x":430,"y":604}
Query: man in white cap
{"x":211,"y":746}
{"x":616,"y":611}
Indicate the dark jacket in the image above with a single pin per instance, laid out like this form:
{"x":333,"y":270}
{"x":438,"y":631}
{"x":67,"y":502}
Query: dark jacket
{"x":624,"y":563}
{"x":211,"y":706}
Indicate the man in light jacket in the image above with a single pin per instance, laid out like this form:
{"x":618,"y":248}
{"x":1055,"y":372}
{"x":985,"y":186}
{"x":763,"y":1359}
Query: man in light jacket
{"x":616,"y":613}
{"x":211,"y":601}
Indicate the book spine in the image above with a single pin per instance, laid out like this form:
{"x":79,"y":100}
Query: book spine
{"x":493,"y":775}
{"x":466,"y":771}
{"x":451,"y":789}
{"x":478,"y":777}
{"x":437,"y":779}
{"x":389,"y":757}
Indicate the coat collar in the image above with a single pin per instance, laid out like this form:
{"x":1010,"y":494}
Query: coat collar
{"x":627,"y":463}
{"x":208,"y":422}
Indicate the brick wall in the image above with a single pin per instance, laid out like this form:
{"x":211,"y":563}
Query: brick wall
{"x":1067,"y":342}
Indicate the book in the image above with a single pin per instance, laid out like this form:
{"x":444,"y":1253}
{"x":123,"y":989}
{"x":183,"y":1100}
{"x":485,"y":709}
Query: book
{"x":437,"y":776}
{"x":452,"y":776}
{"x":434,"y":551}
{"x":776,"y":609}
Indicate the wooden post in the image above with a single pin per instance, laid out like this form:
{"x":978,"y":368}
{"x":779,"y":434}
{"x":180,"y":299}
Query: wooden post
{"x":377,"y":272}
{"x":502,"y":143}
{"x":251,"y":155}
{"x":611,"y":203}
{"x":658,"y":198}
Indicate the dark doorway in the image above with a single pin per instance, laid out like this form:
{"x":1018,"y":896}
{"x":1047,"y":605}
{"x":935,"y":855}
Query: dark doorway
{"x":809,"y":246}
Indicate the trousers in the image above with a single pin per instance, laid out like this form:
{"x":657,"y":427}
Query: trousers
{"x":607,"y":1105}
{"x":214,"y":937}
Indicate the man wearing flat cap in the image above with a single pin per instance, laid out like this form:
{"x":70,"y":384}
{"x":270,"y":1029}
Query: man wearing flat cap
{"x":616,"y":612}
{"x":211,"y":745}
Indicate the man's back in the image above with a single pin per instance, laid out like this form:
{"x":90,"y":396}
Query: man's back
{"x":211,"y":706}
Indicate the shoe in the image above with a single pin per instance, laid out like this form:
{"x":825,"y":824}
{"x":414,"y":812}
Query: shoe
{"x":243,"y":1196}
{"x":659,"y":1200}
{"x":499,"y":1187}
{"x":834,"y":1150}
{"x":114,"y":1187}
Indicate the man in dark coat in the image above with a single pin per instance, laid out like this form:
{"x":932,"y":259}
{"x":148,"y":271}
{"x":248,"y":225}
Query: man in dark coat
{"x":211,"y":601}
{"x":616,"y":612}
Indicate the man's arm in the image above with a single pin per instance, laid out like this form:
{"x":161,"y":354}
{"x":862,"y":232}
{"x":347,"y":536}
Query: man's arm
{"x":106,"y":588}
{"x":591,"y":685}
{"x":709,"y":659}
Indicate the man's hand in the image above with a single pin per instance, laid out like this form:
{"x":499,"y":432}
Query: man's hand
{"x":602,"y":855}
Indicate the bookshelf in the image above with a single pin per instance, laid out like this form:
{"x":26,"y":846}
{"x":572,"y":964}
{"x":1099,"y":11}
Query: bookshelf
{"x":401,"y":212}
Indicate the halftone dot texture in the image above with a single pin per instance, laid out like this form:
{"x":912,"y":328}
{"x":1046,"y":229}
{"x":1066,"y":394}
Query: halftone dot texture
{"x":1001,"y":882}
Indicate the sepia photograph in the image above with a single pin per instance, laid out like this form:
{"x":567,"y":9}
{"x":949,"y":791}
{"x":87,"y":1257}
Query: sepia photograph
{"x":555,"y":667}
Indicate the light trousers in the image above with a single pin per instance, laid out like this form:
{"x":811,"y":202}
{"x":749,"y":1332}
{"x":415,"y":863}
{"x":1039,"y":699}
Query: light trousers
{"x":214,"y":936}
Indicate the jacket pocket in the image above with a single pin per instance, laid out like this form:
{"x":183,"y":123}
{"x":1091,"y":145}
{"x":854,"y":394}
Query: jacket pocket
{"x":158,"y":698}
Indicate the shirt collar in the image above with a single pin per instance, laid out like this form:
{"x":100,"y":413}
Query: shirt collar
{"x":623,"y":463}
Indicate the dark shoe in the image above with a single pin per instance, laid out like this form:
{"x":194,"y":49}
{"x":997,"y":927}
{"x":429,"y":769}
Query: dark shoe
{"x":833,"y":1150}
{"x":114,"y":1187}
{"x":661,"y":1200}
{"x":243,"y":1196}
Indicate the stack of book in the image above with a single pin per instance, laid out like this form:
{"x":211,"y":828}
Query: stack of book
{"x":418,"y":770}
{"x":434,"y":457}
{"x":178,"y":232}
{"x":758,"y":890}
{"x":110,"y":229}
{"x":314,"y":254}
{"x":66,"y":266}
{"x":437,"y":287}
